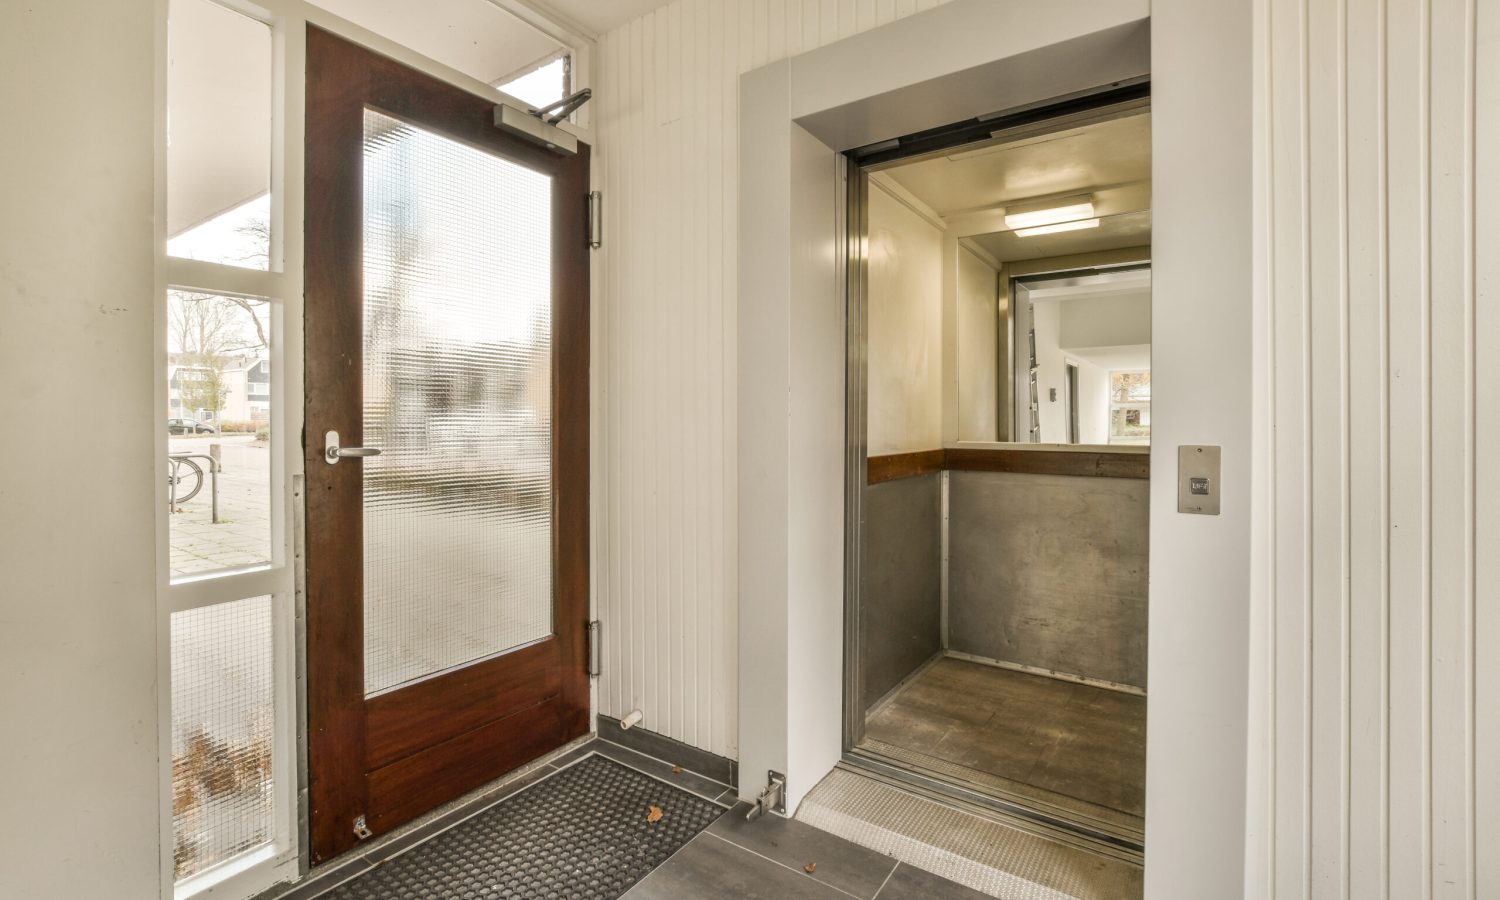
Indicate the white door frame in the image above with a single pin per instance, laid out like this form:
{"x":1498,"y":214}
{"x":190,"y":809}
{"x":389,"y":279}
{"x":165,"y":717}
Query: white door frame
{"x":962,"y":59}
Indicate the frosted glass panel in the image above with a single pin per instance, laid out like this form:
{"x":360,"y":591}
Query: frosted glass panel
{"x":457,"y":396}
{"x":222,"y":716}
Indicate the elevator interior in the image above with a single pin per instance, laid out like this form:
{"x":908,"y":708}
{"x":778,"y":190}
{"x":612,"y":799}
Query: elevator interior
{"x":1000,"y":428}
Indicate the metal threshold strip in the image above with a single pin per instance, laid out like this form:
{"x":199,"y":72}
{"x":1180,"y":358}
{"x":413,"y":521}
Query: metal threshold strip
{"x":1090,"y":817}
{"x":1067,"y":827}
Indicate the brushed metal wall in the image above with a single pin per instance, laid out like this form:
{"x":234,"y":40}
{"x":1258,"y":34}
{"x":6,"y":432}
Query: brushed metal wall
{"x":900,"y":581}
{"x":1049,"y":571}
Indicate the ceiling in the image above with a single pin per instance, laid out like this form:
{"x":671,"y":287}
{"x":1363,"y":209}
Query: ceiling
{"x":476,"y":37}
{"x":219,"y":112}
{"x":1111,"y":160}
{"x":600,"y":16}
{"x":1114,"y":233}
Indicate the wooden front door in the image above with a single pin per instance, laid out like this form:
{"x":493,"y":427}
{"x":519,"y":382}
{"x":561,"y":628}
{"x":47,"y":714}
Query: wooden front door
{"x":447,"y":329}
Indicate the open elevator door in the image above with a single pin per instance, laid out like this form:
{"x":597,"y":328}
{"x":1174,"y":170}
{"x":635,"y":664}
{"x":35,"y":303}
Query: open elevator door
{"x":447,"y":358}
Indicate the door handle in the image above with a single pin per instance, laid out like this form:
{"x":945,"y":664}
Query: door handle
{"x":332,"y":452}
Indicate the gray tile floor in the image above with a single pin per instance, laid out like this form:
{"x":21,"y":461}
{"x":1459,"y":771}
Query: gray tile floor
{"x":772,"y":858}
{"x":1071,"y":739}
{"x":782,"y":859}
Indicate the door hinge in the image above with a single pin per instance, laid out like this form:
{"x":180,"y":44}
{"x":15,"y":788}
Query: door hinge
{"x":596,"y":219}
{"x":361,"y":830}
{"x":772,"y":799}
{"x":596,"y":648}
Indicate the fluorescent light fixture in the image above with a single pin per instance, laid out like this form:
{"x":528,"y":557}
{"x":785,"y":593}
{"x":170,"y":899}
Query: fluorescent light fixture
{"x":1058,"y":226}
{"x":1049,"y":212}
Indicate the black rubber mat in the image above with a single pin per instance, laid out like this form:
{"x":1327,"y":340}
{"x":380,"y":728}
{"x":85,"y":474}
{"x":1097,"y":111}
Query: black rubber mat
{"x":582,"y":833}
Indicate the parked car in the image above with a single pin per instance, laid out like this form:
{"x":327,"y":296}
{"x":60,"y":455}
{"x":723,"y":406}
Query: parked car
{"x":188,"y":426}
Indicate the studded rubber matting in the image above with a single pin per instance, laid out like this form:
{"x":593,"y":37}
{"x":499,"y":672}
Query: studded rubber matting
{"x":583,"y":833}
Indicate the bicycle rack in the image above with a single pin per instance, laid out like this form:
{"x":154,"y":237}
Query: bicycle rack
{"x":213,"y":480}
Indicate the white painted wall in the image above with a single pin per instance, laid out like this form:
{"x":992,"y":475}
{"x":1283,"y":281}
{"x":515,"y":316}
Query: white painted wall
{"x":978,"y":342}
{"x":1051,"y":372}
{"x":815,"y":400}
{"x":78,"y":766}
{"x":1203,"y":372}
{"x":1093,"y":403}
{"x":1113,"y":320}
{"x":1377,"y":646}
{"x":905,"y":322}
{"x":667,"y":160}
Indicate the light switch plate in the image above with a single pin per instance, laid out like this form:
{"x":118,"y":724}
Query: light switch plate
{"x":1198,"y":483}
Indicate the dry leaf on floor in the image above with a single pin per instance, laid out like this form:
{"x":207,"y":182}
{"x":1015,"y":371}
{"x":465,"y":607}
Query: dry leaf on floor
{"x":810,"y":868}
{"x":655,"y":814}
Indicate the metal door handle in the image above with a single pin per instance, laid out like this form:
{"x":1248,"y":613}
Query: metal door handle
{"x":332,"y":452}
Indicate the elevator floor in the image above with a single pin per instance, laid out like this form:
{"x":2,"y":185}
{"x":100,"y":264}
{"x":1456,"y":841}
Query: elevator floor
{"x":1025,"y":731}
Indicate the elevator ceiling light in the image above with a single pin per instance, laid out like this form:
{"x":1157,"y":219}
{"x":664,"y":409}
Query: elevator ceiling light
{"x":1059,"y":226}
{"x":1049,"y":212}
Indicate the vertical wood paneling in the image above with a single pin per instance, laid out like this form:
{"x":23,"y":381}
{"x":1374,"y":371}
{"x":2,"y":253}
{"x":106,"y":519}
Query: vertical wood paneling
{"x":1383,"y":172}
{"x":1289,"y":635}
{"x":667,"y":95}
{"x":1451,"y":293}
{"x":1369,"y":595}
{"x":1486,"y":835}
{"x":1327,"y":425}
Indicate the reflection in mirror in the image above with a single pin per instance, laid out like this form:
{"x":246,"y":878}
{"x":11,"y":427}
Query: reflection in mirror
{"x":1085,"y":374}
{"x":1019,"y":217}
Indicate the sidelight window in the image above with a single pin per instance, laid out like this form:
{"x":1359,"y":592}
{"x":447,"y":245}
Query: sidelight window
{"x":221,"y":488}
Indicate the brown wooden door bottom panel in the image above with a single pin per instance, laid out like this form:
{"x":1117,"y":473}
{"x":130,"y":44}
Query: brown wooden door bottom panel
{"x":406,"y":789}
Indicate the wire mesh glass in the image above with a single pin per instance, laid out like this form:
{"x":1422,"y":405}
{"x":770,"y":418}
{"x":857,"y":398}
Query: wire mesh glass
{"x":457,"y":396}
{"x":222,"y":733}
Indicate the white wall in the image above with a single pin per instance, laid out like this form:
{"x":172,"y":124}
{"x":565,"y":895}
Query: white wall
{"x":78,"y":766}
{"x":1051,"y":372}
{"x":1114,"y":320}
{"x":905,"y":327}
{"x":1093,"y":403}
{"x":1380,"y":635}
{"x":667,"y":160}
{"x":1202,"y":377}
{"x":978,"y":342}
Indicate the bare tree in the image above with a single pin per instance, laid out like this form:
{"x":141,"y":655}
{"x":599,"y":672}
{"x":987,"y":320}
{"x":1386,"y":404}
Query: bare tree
{"x":208,"y":331}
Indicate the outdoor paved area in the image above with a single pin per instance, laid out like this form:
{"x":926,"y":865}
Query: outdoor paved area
{"x":243,"y":535}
